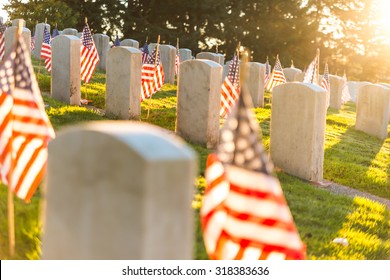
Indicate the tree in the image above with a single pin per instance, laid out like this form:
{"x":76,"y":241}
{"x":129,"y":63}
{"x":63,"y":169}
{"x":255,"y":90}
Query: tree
{"x":55,"y":11}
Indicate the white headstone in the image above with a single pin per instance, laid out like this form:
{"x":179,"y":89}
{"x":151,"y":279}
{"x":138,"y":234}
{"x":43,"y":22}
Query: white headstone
{"x":123,"y":83}
{"x":297,"y":130}
{"x":69,"y":31}
{"x":102,"y":43}
{"x":199,"y":101}
{"x":336,"y":91}
{"x":185,"y":54}
{"x":290,"y":73}
{"x":221,"y":58}
{"x":10,"y":35}
{"x":15,"y":22}
{"x":168,"y":59}
{"x":130,"y":43}
{"x":208,"y":55}
{"x":118,"y":190}
{"x":255,"y":83}
{"x":65,"y":72}
{"x":39,"y":28}
{"x":373,"y":110}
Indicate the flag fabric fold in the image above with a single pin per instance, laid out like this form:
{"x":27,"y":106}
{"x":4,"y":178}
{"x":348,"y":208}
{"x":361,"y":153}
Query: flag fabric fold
{"x":32,"y":41}
{"x":25,"y":129}
{"x":46,"y":49}
{"x":277,"y":77}
{"x":89,"y":57}
{"x":152,"y":75}
{"x":267,"y":74}
{"x":325,"y":83}
{"x":145,"y":53}
{"x":117,"y":43}
{"x":244,"y":214}
{"x":55,"y":33}
{"x":311,"y":75}
{"x":177,"y":61}
{"x":2,"y":39}
{"x":230,"y":88}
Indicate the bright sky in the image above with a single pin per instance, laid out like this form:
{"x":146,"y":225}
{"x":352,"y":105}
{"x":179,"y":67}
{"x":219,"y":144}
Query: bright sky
{"x":2,"y":12}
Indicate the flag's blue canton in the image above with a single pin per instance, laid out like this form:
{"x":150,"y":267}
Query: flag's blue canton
{"x":2,"y":28}
{"x":117,"y":43}
{"x":46,"y":36}
{"x":87,"y":38}
{"x":233,"y":71}
{"x":152,"y":58}
{"x":55,"y":32}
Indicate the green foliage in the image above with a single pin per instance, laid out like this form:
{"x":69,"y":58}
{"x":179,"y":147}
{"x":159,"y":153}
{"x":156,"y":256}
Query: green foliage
{"x":348,"y":32}
{"x":33,"y":11}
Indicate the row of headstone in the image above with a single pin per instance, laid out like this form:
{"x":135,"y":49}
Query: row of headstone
{"x":39,"y":28}
{"x":373,"y":110}
{"x":10,"y":37}
{"x":102,"y":43}
{"x":216,"y":57}
{"x":103,"y":197}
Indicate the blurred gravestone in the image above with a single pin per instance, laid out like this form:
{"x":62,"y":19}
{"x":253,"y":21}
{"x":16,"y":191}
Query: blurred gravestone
{"x":134,"y":204}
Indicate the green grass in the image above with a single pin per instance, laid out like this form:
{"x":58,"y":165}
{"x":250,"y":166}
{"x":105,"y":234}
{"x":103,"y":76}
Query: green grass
{"x":352,"y":158}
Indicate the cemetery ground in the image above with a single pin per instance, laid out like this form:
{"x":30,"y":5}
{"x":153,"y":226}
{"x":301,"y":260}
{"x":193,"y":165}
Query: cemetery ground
{"x":352,"y":158}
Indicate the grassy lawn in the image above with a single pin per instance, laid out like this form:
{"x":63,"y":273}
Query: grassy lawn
{"x":352,"y":158}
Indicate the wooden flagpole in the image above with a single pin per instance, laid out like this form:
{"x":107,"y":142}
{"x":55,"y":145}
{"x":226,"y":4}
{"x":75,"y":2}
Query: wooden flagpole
{"x":155,"y":63}
{"x":11,"y":206}
{"x":244,"y":71}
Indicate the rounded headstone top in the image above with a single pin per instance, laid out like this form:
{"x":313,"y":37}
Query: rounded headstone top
{"x":374,"y":87}
{"x":210,"y":63}
{"x":150,"y":142}
{"x":124,"y":49}
{"x":298,"y":86}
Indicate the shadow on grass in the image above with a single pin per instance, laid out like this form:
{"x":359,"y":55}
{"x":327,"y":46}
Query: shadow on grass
{"x":352,"y":161}
{"x":322,"y":216}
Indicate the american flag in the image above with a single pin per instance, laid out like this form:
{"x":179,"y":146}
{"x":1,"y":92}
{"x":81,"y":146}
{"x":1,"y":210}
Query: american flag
{"x":2,"y":39}
{"x":277,"y":76}
{"x":267,"y":73}
{"x":46,"y":49}
{"x":89,"y":56}
{"x":145,"y":53}
{"x":117,"y":43}
{"x":55,"y":33}
{"x":311,"y":74}
{"x":230,"y":88}
{"x":177,"y":61}
{"x":32,"y":41}
{"x":244,"y":213}
{"x":152,"y":75}
{"x":25,"y":129}
{"x":325,"y":83}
